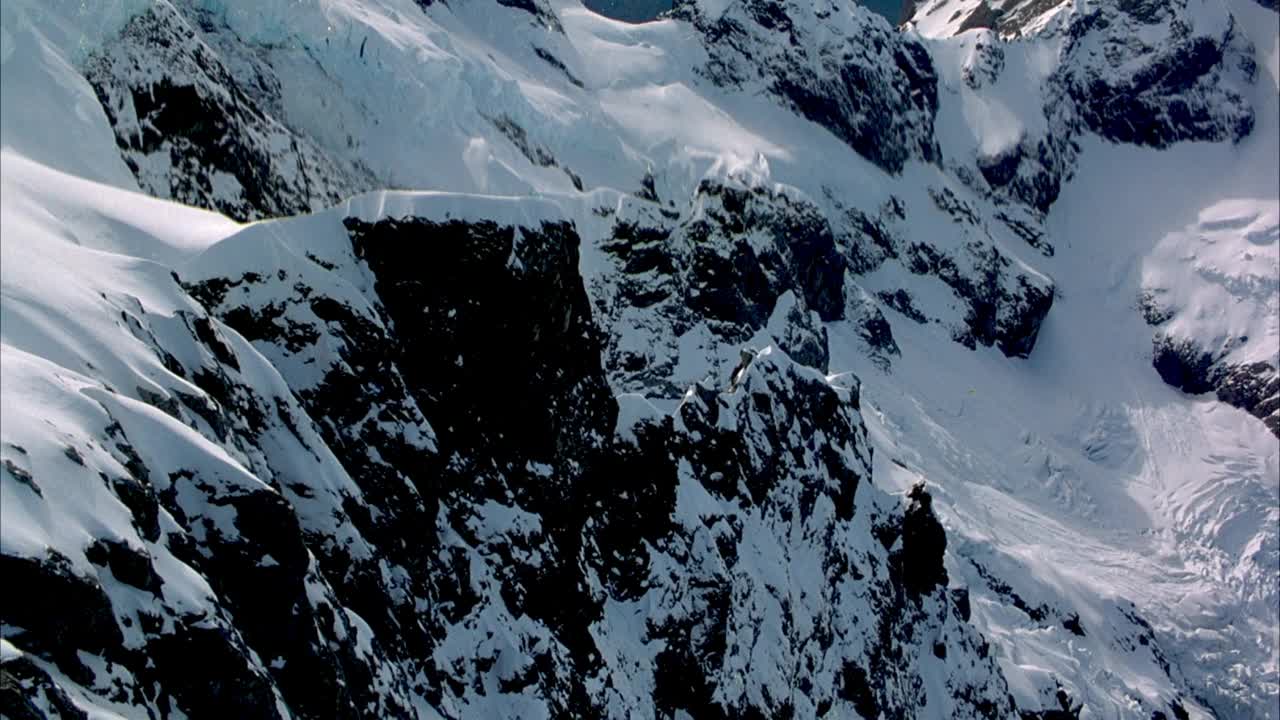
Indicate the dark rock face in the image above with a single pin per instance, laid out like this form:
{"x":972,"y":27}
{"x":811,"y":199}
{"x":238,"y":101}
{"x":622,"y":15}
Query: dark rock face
{"x":719,"y":436}
{"x":60,"y":614}
{"x":923,"y":544}
{"x":263,"y":621}
{"x":128,"y":565}
{"x":821,"y":485}
{"x":1252,"y":387}
{"x":360,"y":400}
{"x":1031,"y":172}
{"x":524,"y":411}
{"x":1066,"y":709}
{"x":874,"y":330}
{"x":797,"y":251}
{"x":230,"y":686}
{"x":1145,"y":73}
{"x":264,"y":598}
{"x":523,"y":404}
{"x":799,"y":333}
{"x":1183,"y":91}
{"x":985,"y":63}
{"x":1183,"y":365}
{"x":869,"y":86}
{"x":425,"y":273}
{"x":1004,"y":307}
{"x":541,"y":12}
{"x":1003,"y":302}
{"x":718,"y":269}
{"x":58,"y":610}
{"x":983,"y":16}
{"x":774,"y":396}
{"x":189,"y":130}
{"x":28,"y":693}
{"x":499,"y":491}
{"x":725,"y":261}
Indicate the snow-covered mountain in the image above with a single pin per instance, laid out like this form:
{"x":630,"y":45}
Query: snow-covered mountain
{"x":398,"y":358}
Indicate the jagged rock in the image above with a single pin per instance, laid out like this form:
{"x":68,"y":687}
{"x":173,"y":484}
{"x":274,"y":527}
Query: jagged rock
{"x":875,"y":332}
{"x":542,"y":13}
{"x":923,"y":544}
{"x":190,"y":130}
{"x":982,"y":16}
{"x":1030,"y":171}
{"x":773,"y":243}
{"x":1148,"y":73}
{"x":60,"y":611}
{"x":796,"y":330}
{"x":460,"y":361}
{"x":1183,"y":365}
{"x":1252,"y":387}
{"x":1001,"y":310}
{"x":127,"y":564}
{"x":985,"y":62}
{"x":28,"y":693}
{"x":575,"y":489}
{"x":749,"y":501}
{"x":719,"y":267}
{"x":871,"y":87}
{"x":229,"y":685}
{"x":1190,"y":87}
{"x":900,"y":300}
{"x":1066,"y":709}
{"x":1001,"y":302}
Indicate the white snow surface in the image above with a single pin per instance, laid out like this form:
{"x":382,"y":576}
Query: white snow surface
{"x":1077,"y":473}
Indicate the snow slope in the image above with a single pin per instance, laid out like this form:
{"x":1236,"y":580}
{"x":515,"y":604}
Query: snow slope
{"x":1082,"y":468}
{"x":330,"y":451}
{"x":1153,"y":496}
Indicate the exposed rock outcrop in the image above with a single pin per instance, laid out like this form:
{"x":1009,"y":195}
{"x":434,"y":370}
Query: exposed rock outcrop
{"x":1252,"y":387}
{"x":841,"y":67}
{"x":191,"y":130}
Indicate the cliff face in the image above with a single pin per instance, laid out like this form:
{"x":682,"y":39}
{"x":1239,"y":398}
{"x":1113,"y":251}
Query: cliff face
{"x":451,"y":509}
